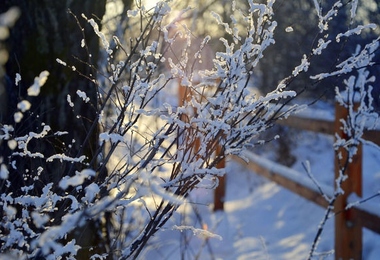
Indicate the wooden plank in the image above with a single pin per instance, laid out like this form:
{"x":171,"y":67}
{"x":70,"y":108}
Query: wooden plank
{"x":184,"y":95}
{"x":348,"y":222}
{"x":308,"y":193}
{"x":220,"y":191}
{"x":323,"y":126}
{"x":372,"y":135}
{"x":315,"y":125}
{"x":348,"y":228}
{"x":368,"y":219}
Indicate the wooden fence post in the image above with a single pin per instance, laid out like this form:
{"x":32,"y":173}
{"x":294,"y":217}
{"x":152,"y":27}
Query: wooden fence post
{"x":220,"y":191}
{"x":184,"y":95}
{"x":348,"y":229}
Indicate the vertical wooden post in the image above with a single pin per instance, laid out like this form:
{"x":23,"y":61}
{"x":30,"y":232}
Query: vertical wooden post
{"x":220,"y":191}
{"x":348,"y":229}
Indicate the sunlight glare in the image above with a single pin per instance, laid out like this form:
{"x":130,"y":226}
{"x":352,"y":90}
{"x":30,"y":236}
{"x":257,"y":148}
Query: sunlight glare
{"x":149,"y":4}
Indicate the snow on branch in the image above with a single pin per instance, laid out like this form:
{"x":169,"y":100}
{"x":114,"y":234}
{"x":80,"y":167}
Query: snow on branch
{"x":201,"y":233}
{"x":361,"y":58}
{"x":150,"y":153}
{"x":77,"y":179}
{"x":357,"y":98}
{"x":34,"y":90}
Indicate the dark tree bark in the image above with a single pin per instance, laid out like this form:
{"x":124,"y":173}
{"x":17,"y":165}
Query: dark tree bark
{"x":47,"y":30}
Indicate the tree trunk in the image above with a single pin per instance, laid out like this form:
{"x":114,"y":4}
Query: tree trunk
{"x":46,"y":31}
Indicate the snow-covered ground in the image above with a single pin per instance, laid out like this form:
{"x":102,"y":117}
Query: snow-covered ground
{"x":262,"y":220}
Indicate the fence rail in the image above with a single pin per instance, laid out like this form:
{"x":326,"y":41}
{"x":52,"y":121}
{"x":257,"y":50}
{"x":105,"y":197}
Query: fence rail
{"x":324,"y":126}
{"x":348,"y":223}
{"x":304,"y":187}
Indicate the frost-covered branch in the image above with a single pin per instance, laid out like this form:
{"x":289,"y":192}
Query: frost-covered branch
{"x":154,"y":149}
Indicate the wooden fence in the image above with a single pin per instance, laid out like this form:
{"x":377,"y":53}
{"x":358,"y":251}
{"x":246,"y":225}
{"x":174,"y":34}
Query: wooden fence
{"x":348,"y":222}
